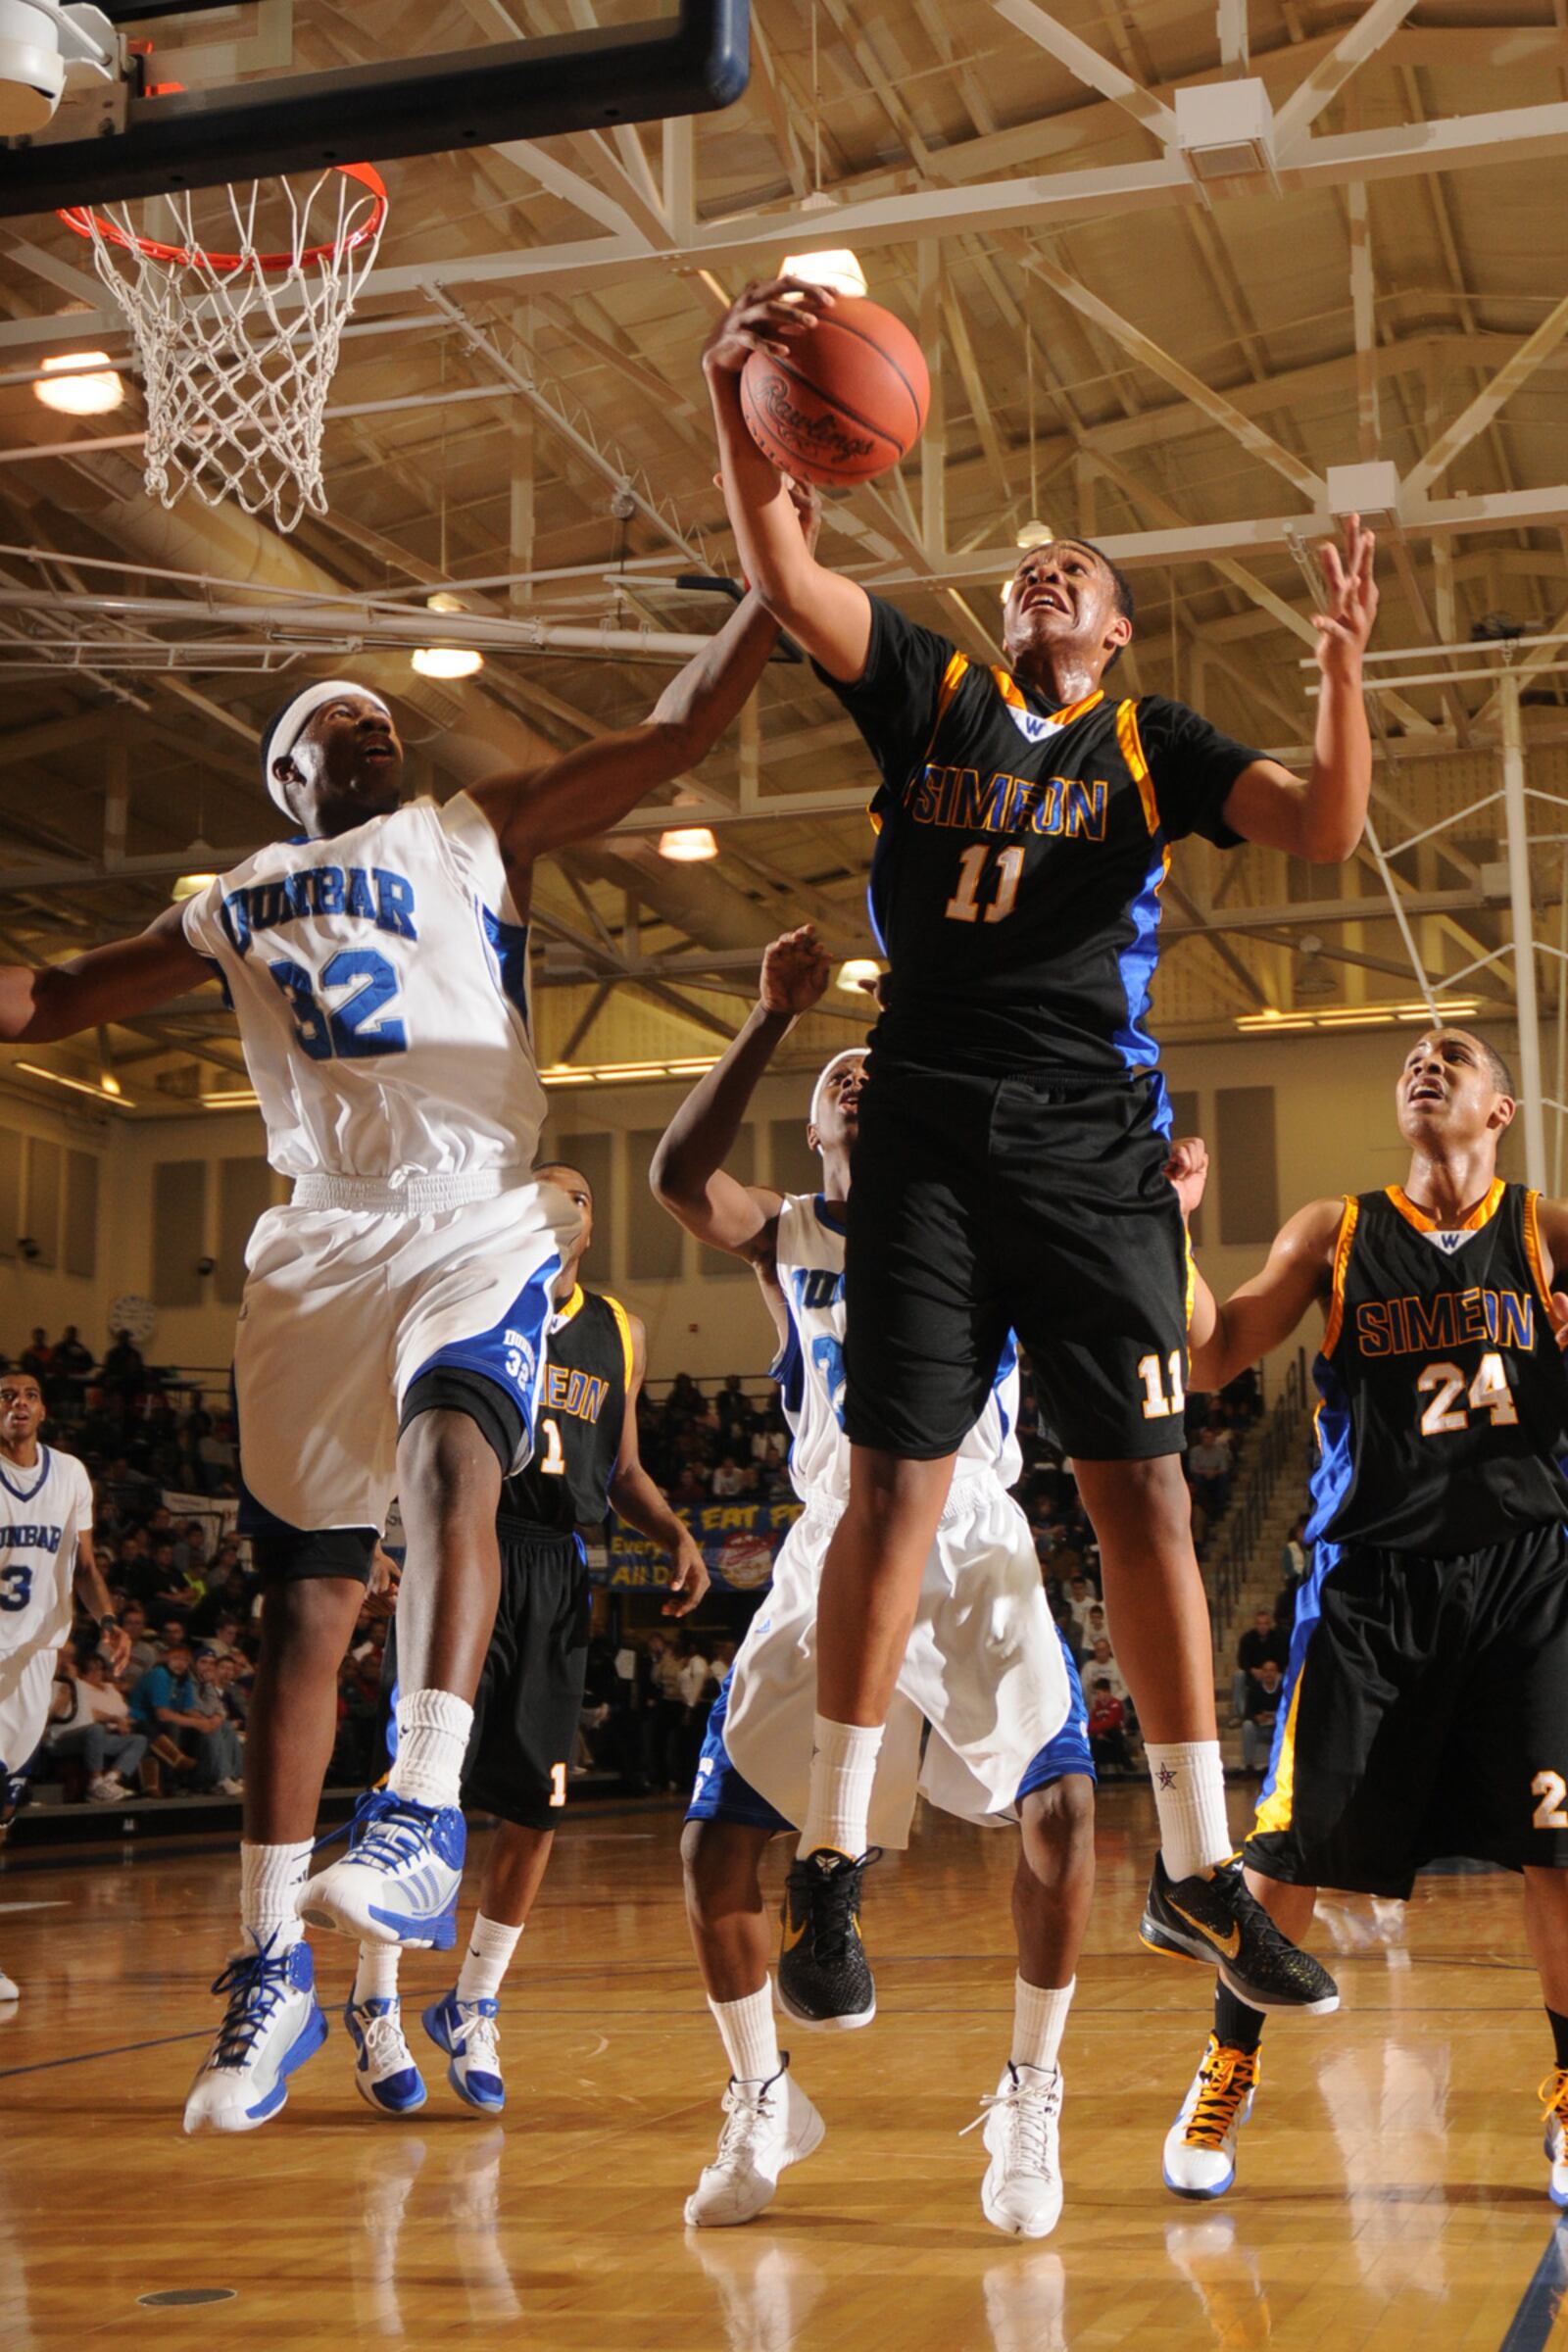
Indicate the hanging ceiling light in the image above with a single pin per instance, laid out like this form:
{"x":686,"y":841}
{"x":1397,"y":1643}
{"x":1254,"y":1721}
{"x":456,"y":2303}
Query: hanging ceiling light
{"x":446,"y":661}
{"x":857,"y":974}
{"x":837,"y":269}
{"x":1032,"y":533}
{"x":79,"y":383}
{"x":687,"y":845}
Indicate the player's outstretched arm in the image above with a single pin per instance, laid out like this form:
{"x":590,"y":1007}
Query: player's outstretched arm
{"x":826,"y":614}
{"x":1262,"y":1314}
{"x":687,"y":1174}
{"x":1323,"y":818}
{"x":114,"y":983}
{"x":635,"y":1499}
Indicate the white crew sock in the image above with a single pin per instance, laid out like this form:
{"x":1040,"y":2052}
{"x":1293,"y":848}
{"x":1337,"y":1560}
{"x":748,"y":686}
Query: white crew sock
{"x":270,"y":1881}
{"x":749,"y":2034}
{"x":491,"y":1944}
{"x":376,"y":1976}
{"x":842,"y":1768}
{"x":1190,"y":1798}
{"x":433,"y":1728}
{"x":1038,"y":2017}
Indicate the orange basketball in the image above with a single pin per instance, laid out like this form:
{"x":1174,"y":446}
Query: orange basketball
{"x":848,"y":402}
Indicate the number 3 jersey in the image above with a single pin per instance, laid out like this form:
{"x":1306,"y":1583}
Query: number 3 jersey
{"x":1444,"y":1426}
{"x":42,"y":1512}
{"x":809,"y":1368}
{"x":381,"y":988}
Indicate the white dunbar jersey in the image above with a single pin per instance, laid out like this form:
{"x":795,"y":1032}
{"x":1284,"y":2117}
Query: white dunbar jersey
{"x":42,"y":1512}
{"x":382,"y":984}
{"x":809,"y":1370}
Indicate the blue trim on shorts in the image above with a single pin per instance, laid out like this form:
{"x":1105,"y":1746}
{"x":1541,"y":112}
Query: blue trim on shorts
{"x":1069,"y":1752}
{"x":511,"y":1354}
{"x":720,"y":1792}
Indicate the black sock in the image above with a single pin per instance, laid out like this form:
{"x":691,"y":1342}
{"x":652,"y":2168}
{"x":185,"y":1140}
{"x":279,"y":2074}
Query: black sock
{"x":1241,"y":2027}
{"x":1559,"y":2034}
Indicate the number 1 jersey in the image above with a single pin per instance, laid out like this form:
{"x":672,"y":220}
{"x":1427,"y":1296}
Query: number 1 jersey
{"x":381,"y":986}
{"x":1443,"y":1425}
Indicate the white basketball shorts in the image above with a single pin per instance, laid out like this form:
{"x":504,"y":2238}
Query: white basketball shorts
{"x":984,"y":1667}
{"x":343,"y":1310}
{"x":27,"y":1685}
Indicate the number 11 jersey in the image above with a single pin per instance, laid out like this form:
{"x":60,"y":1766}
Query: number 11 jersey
{"x":381,"y":980}
{"x":1443,"y":1425}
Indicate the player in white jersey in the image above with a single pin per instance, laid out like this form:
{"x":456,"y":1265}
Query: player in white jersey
{"x":46,"y":1562}
{"x":985,"y":1669}
{"x":390,"y":1335}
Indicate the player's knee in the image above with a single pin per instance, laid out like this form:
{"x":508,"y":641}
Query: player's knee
{"x":453,"y":1451}
{"x":1058,"y":1829}
{"x":307,"y":1615}
{"x":715,"y":1871}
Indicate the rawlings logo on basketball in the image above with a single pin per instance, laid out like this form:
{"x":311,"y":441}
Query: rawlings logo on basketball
{"x":822,"y":436}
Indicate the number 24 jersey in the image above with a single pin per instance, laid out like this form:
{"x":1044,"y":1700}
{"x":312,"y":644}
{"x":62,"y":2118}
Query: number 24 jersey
{"x":1444,"y":1426}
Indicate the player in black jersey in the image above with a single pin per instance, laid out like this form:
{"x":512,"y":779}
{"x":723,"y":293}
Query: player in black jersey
{"x":1010,"y":1165}
{"x":530,"y":1693}
{"x":1426,"y":1708}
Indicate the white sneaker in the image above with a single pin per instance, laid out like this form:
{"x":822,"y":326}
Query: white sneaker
{"x":1022,"y":2192}
{"x":105,"y":1789}
{"x":470,"y":2035}
{"x":230,"y":1787}
{"x":1553,"y":2094}
{"x":385,"y":2075}
{"x":399,"y":1882}
{"x":768,"y":2126}
{"x":1200,"y":2144}
{"x":10,"y":1989}
{"x":272,"y":2024}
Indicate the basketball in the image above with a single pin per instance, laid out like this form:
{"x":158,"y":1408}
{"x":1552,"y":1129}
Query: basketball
{"x":849,"y":401}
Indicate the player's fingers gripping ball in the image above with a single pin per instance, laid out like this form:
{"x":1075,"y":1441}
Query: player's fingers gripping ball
{"x":843,"y":403}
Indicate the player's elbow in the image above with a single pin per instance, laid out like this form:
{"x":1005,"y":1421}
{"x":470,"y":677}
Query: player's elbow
{"x":671,"y":1181}
{"x":1330,"y":838}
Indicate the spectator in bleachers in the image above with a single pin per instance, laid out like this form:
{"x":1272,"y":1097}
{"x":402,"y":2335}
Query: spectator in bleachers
{"x":728,"y":1481}
{"x":1107,"y":1729}
{"x":1100,"y":1667}
{"x":89,"y":1724}
{"x":1262,"y":1641}
{"x":1209,"y":1470}
{"x":1262,"y":1711}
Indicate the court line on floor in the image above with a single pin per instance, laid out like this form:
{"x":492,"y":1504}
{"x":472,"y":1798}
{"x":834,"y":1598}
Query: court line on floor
{"x":122,"y":2049}
{"x":1542,"y":2299}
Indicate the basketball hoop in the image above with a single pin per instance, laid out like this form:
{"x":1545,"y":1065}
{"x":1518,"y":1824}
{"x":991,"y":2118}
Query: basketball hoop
{"x":238,"y":348}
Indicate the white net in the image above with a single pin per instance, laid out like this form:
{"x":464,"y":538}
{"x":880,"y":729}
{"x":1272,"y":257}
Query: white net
{"x":238,"y":346}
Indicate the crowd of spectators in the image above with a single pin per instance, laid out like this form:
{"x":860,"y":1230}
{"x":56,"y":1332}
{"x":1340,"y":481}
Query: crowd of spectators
{"x":729,"y":1448}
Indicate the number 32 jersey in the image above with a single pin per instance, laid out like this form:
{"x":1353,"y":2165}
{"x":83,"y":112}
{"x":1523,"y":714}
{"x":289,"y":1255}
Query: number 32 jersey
{"x":809,"y":1368}
{"x":383,"y":994}
{"x":1444,"y":1426}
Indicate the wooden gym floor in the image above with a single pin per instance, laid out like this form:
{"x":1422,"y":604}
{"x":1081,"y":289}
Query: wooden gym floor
{"x":1393,"y":2191}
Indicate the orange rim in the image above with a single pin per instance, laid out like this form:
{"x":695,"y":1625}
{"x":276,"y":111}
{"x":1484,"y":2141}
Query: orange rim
{"x":86,"y":224}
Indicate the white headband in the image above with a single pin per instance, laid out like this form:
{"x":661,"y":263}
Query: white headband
{"x":297,"y":718}
{"x":850,"y":1054}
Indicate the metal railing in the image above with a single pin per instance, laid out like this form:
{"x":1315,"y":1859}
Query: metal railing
{"x":1276,"y":1448}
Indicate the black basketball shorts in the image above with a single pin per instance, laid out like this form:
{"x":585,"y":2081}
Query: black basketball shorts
{"x":1035,"y":1206}
{"x":1427,"y":1714}
{"x":527,"y":1708}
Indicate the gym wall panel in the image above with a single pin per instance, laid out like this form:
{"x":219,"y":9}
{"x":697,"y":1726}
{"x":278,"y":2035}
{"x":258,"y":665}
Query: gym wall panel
{"x":81,"y":1214}
{"x":1249,"y":1165}
{"x":179,"y":1231}
{"x":9,"y":1191}
{"x":42,"y":1209}
{"x":244,"y":1192}
{"x":654,"y":1240}
{"x":794,"y":1166}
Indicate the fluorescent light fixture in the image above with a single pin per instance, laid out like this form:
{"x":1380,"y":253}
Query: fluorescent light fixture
{"x":837,"y":269}
{"x":187,"y":885}
{"x":447,"y":661}
{"x":1407,"y":1010}
{"x":687,"y":845}
{"x":79,"y":383}
{"x":625,"y":1073}
{"x":108,"y":1092}
{"x":110,"y":1083}
{"x":240,"y":1098}
{"x":857,"y":974}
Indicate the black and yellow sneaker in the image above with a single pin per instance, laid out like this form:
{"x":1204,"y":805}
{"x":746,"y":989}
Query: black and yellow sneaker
{"x":1212,"y":1917}
{"x":825,"y":1977}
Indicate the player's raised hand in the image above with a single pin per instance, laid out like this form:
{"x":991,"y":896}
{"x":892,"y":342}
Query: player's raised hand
{"x":689,"y":1582}
{"x":114,"y":1648}
{"x":1188,"y":1170}
{"x":1351,"y":602}
{"x":795,"y":970}
{"x":767,"y":316}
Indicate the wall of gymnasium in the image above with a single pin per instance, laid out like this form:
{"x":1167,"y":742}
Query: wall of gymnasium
{"x":120,"y":1207}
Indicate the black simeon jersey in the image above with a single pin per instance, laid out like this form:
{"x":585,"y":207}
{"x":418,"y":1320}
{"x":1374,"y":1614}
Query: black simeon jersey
{"x":1443,"y":1425}
{"x":1020,"y":855}
{"x":582,"y":1411}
